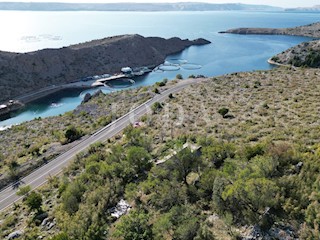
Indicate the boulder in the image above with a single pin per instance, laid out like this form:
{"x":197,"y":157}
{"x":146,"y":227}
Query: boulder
{"x":15,"y":234}
{"x":86,"y":98}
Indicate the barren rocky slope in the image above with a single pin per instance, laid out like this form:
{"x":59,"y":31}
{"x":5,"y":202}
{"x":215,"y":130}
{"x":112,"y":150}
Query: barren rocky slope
{"x":311,"y":30}
{"x":21,"y":73}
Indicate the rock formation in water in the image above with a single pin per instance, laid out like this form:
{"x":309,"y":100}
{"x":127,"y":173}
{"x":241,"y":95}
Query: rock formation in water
{"x":21,"y":73}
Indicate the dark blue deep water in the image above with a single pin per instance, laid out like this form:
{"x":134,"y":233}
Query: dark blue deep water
{"x":29,"y":31}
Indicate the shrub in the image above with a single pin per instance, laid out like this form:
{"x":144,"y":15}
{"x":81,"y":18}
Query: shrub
{"x":223,"y":112}
{"x":24,"y":190}
{"x":179,"y":76}
{"x":34,"y":201}
{"x":156,"y":90}
{"x":156,"y":107}
{"x":72,"y":134}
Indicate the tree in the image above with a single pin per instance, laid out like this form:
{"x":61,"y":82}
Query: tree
{"x":34,"y":201}
{"x":180,"y":223}
{"x":217,"y":152}
{"x":134,"y":226}
{"x":139,"y":159}
{"x":72,"y":197}
{"x":184,"y":163}
{"x":72,"y":134}
{"x":249,"y":198}
{"x":223,"y":112}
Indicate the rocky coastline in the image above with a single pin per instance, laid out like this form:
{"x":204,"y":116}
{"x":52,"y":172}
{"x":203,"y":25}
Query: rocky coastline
{"x":26,"y":73}
{"x":305,"y":54}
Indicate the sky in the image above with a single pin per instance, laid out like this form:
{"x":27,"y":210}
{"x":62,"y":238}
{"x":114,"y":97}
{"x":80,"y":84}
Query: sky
{"x":279,"y":3}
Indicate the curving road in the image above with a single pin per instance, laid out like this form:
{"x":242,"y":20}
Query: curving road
{"x":40,"y":176}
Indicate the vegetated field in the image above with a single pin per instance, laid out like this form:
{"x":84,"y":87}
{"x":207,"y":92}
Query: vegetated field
{"x":280,"y":104}
{"x":30,"y":144}
{"x":258,"y":170}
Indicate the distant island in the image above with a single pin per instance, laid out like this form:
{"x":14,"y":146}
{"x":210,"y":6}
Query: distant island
{"x":311,"y":30}
{"x":22,"y":73}
{"x":183,"y":6}
{"x":315,"y":8}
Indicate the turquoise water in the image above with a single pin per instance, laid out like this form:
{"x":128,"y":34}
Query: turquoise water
{"x":29,"y":31}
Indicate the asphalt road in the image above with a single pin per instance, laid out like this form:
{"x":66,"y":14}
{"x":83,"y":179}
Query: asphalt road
{"x":40,"y":176}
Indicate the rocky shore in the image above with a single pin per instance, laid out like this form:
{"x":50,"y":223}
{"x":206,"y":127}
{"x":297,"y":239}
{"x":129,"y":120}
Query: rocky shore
{"x":25,"y":73}
{"x":311,"y":30}
{"x":306,"y":54}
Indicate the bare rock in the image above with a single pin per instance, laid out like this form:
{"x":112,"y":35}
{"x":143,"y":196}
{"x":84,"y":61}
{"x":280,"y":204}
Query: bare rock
{"x":86,"y":98}
{"x":97,"y":93}
{"x":15,"y":234}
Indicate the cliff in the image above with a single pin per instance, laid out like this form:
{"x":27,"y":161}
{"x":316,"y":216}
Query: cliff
{"x":311,"y":30}
{"x":21,"y":73}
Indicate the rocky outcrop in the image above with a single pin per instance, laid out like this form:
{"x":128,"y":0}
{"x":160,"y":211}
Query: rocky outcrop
{"x":311,"y":30}
{"x":306,"y":54}
{"x":21,"y":73}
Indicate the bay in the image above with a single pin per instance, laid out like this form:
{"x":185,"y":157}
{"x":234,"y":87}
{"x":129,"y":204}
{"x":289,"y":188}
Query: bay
{"x":30,"y":31}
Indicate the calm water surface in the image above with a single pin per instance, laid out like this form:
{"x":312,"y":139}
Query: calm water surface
{"x":30,"y":31}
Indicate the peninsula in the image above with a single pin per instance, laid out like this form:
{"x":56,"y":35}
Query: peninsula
{"x":311,"y":30}
{"x":305,"y":54}
{"x":22,"y":73}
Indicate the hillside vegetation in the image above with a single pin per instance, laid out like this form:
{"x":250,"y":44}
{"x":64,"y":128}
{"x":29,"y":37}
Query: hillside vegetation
{"x":255,"y":175}
{"x":306,"y":54}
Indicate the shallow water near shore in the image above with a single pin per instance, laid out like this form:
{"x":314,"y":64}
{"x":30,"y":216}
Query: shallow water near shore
{"x":226,"y":54}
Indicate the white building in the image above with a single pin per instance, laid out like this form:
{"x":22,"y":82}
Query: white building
{"x":126,"y":70}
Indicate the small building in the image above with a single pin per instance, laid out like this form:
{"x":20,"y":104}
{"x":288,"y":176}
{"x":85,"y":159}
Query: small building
{"x":126,"y":70}
{"x":3,"y":106}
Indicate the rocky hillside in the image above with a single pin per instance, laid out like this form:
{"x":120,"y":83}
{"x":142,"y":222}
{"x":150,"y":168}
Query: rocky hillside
{"x":311,"y":30}
{"x":305,"y":54}
{"x":21,"y":73}
{"x":256,"y":175}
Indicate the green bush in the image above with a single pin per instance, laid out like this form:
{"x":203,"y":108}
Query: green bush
{"x":223,"y":112}
{"x":34,"y":201}
{"x":72,"y":134}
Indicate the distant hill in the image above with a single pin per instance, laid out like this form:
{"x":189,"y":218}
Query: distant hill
{"x":186,"y":6}
{"x":315,"y":8}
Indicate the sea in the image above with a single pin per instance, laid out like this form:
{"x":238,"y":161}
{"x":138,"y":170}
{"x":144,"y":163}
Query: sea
{"x":24,"y":31}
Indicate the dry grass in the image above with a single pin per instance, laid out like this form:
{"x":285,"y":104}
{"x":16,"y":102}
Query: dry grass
{"x":281,"y":104}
